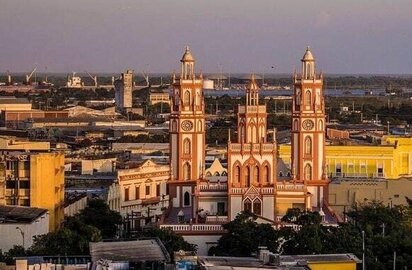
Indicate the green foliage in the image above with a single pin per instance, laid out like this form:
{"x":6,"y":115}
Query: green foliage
{"x":387,"y":230}
{"x":16,"y":251}
{"x":99,"y":215}
{"x":92,"y":224}
{"x":170,"y":239}
{"x":245,"y":236}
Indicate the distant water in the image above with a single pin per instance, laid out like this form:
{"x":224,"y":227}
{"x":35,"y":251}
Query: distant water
{"x":328,"y":92}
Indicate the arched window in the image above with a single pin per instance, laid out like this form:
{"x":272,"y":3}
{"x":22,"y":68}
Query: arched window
{"x":236,"y":173}
{"x":308,"y":98}
{"x":256,"y":174}
{"x":247,"y":205}
{"x":186,"y":171}
{"x":224,"y":173}
{"x":186,"y":99}
{"x":208,"y":174}
{"x":186,"y":146}
{"x":308,"y":71}
{"x":257,"y":207}
{"x":266,"y":174}
{"x":216,"y":174}
{"x":247,"y":176}
{"x":308,"y":146}
{"x":280,"y":174}
{"x":295,"y":124}
{"x":186,"y":199}
{"x":308,"y":172}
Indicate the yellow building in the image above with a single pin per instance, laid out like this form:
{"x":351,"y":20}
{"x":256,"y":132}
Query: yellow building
{"x":29,"y":177}
{"x":392,"y":159}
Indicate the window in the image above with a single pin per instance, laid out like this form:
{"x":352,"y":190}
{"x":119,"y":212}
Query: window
{"x":280,"y":174}
{"x":147,"y":190}
{"x":158,"y":190}
{"x":308,"y":98}
{"x":137,"y":192}
{"x":266,"y":174}
{"x":25,"y":202}
{"x":237,"y":174}
{"x":11,"y":184}
{"x":24,"y":184}
{"x":247,"y":176}
{"x":186,"y":146}
{"x":308,"y":172}
{"x":220,"y":208}
{"x":338,"y":169}
{"x":216,"y":174}
{"x":380,"y":171}
{"x":308,"y":146}
{"x":186,"y":100}
{"x":257,"y":207}
{"x":247,"y":206}
{"x":256,"y":174}
{"x":186,"y":199}
{"x":126,"y":194}
{"x":186,"y":171}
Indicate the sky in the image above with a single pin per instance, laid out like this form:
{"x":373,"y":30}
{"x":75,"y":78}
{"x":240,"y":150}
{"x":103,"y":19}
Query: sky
{"x":236,"y":36}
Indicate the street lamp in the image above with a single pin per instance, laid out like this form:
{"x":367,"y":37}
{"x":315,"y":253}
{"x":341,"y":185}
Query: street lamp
{"x":22,"y":234}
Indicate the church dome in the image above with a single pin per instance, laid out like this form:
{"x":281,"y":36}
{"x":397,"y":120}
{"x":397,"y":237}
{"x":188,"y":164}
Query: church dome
{"x":308,"y":56}
{"x":187,"y":56}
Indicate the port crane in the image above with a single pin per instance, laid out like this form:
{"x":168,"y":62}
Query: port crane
{"x":146,"y":78}
{"x":28,"y":77}
{"x":94,"y":78}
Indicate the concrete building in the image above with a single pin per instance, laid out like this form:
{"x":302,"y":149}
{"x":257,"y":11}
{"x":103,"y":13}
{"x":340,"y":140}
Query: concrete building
{"x":32,"y":176}
{"x":18,"y":225}
{"x":141,"y":190}
{"x":14,"y":104}
{"x":156,"y":97}
{"x":391,"y":159}
{"x":123,"y":90}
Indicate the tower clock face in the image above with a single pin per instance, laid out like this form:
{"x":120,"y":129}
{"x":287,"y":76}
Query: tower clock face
{"x":308,"y":125}
{"x":187,"y":125}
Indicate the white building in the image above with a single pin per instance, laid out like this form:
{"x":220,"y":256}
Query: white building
{"x":18,"y":225}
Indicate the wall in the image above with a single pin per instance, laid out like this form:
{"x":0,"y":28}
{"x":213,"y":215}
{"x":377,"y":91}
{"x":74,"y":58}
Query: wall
{"x":75,"y":207}
{"x":47,"y":185}
{"x":10,"y":236}
{"x":345,"y":193}
{"x":333,"y":266}
{"x":203,"y":242}
{"x":97,"y":165}
{"x":394,"y":156}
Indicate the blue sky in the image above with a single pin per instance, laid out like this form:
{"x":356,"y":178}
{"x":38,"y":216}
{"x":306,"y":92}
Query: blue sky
{"x":346,"y":36}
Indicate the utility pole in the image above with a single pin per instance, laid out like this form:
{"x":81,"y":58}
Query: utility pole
{"x":394,"y":260}
{"x":363,"y":250}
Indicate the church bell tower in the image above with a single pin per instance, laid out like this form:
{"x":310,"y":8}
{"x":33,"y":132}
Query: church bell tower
{"x":308,"y":130}
{"x":187,"y":132}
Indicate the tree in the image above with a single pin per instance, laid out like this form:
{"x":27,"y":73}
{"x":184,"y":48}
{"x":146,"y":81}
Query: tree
{"x":72,"y":239}
{"x":244,"y":236}
{"x":170,"y":239}
{"x":99,"y":215}
{"x":16,"y":251}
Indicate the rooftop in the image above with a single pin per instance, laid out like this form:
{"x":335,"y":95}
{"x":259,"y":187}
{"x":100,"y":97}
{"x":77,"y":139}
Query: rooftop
{"x":147,"y":250}
{"x":20,"y":214}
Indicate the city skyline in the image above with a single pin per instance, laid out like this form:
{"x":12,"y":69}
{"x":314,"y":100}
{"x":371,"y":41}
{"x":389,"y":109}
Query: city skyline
{"x":371,"y":37}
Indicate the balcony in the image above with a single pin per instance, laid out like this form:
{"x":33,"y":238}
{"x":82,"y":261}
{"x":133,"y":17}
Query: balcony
{"x":217,"y":219}
{"x":194,"y":228}
{"x":290,"y":187}
{"x":212,"y":187}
